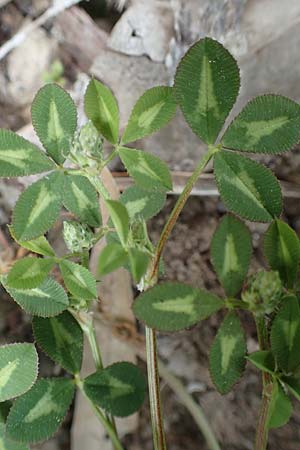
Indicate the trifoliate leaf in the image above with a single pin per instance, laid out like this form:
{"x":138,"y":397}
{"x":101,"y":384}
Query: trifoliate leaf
{"x":207,"y":83}
{"x":54,"y":118}
{"x":101,"y":108}
{"x":119,"y":389}
{"x":147,"y":170}
{"x":282,"y":250}
{"x":9,"y":444}
{"x":37,"y":414}
{"x":246,"y":187}
{"x":141,"y":203}
{"x":29,"y":272}
{"x":37,"y":208}
{"x":227,"y":354}
{"x":285,"y":335}
{"x":39,"y":245}
{"x":280,"y":409}
{"x":111,"y":258}
{"x":263,"y":360}
{"x":120,"y":218}
{"x":139,"y":262}
{"x":78,"y":280}
{"x":61,"y":337}
{"x":18,"y":369}
{"x":293,"y":385}
{"x":268,"y":124}
{"x":175,"y":306}
{"x":47,"y":300}
{"x":18,"y":157}
{"x":80,"y":197}
{"x":154,"y":109}
{"x":231,"y":251}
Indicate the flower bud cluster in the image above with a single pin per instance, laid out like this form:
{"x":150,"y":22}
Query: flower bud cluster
{"x":87,"y":146}
{"x":77,"y":236}
{"x":264,"y":292}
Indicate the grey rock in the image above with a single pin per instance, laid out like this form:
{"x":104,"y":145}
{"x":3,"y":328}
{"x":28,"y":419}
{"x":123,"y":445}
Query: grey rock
{"x":26,"y":65}
{"x":146,"y":28}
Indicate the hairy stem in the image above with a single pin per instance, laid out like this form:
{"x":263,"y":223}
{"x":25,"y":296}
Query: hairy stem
{"x":151,"y":346}
{"x":91,"y":336}
{"x":159,"y":439}
{"x":262,"y":432}
{"x":191,"y":405}
{"x":109,"y":427}
{"x":182,"y":199}
{"x":87,"y":326}
{"x":85,"y":259}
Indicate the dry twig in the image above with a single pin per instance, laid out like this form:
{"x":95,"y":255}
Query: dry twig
{"x":57,"y":7}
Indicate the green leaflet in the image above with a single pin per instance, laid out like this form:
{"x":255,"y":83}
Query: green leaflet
{"x":147,"y":170}
{"x":29,"y":272}
{"x":263,"y":360}
{"x":111,"y":258}
{"x":268,"y":124}
{"x":78,"y":280}
{"x":81,"y":198}
{"x":37,"y":208}
{"x":37,"y":414}
{"x":293,"y":385}
{"x":231,"y":250}
{"x":61,"y":337}
{"x":18,"y":369}
{"x":18,"y":157}
{"x":119,"y":389}
{"x":139,"y":262}
{"x":227,"y":354}
{"x":285,"y":335}
{"x":47,"y":300}
{"x":39,"y":245}
{"x":120,"y":218}
{"x":282,"y":250}
{"x":54,"y":118}
{"x":141,"y":203}
{"x":207,"y":83}
{"x":8,"y":444}
{"x":280,"y":409}
{"x":102,"y":109}
{"x":154,"y":109}
{"x":175,"y":306}
{"x":246,"y":187}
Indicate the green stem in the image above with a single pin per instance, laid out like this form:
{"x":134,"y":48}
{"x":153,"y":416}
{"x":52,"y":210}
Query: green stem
{"x":87,"y":326}
{"x":85,"y":259}
{"x":86,"y":322}
{"x":110,"y":157}
{"x":91,"y":335}
{"x":108,"y":426}
{"x":151,"y":346}
{"x":191,"y":405}
{"x":159,"y":439}
{"x":182,"y":199}
{"x":99,"y":186}
{"x":262,"y":432}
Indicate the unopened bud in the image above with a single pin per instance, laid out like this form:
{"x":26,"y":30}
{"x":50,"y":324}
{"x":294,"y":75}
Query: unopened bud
{"x":264,"y":292}
{"x":77,"y":236}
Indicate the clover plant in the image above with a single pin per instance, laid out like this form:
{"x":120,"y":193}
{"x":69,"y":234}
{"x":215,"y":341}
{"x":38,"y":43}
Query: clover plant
{"x":206,"y":87}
